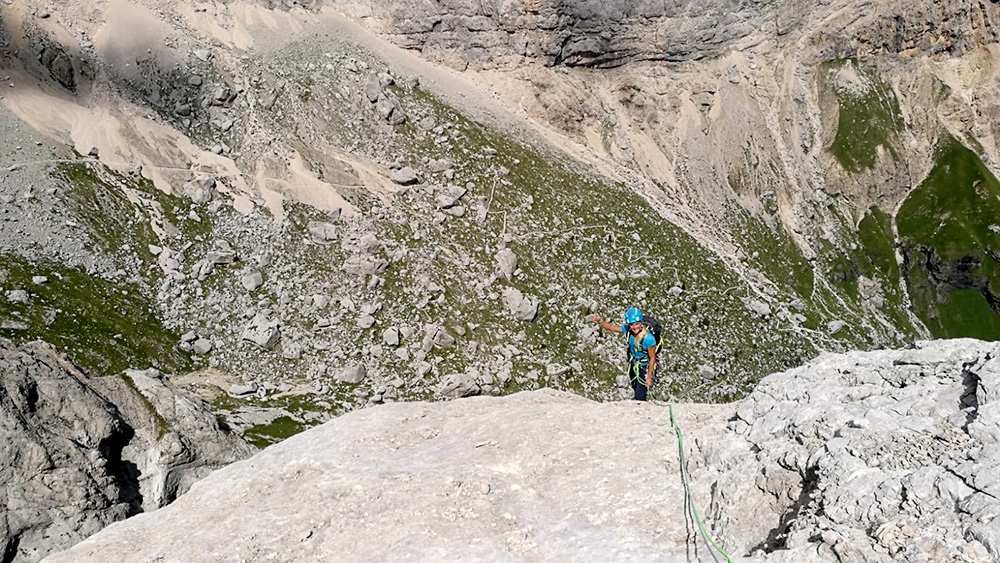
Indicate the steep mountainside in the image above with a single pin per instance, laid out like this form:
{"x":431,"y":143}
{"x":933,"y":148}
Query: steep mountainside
{"x":301,"y":218}
{"x":848,"y":132}
{"x":299,"y":208}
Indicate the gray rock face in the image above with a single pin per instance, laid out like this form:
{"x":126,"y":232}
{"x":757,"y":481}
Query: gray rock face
{"x":881,"y":456}
{"x":391,"y":336}
{"x":199,"y":190}
{"x":507,"y":261}
{"x":263,"y":330}
{"x":177,"y":443}
{"x":459,"y":385}
{"x":77,"y":454}
{"x":322,"y":232}
{"x":252,"y":281}
{"x":523,"y":473}
{"x":437,"y":336}
{"x":451,"y":196}
{"x":616,"y":32}
{"x":365,"y":265}
{"x":52,"y":428}
{"x":404,"y":176}
{"x":18,"y":296}
{"x":202,"y":345}
{"x":242,"y":390}
{"x":573,"y":33}
{"x":884,"y":456}
{"x":352,"y":374}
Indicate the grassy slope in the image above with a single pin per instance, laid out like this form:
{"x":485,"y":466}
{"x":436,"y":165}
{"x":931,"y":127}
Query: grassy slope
{"x":869,"y":123}
{"x":869,"y":118}
{"x":949,"y":230}
{"x":105,"y":325}
{"x":581,"y":239}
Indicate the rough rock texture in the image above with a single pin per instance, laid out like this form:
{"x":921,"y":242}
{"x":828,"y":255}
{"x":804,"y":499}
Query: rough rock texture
{"x":61,"y":473}
{"x":177,"y":439}
{"x":601,"y":33}
{"x":471,"y":479}
{"x":881,"y":456}
{"x":77,"y":454}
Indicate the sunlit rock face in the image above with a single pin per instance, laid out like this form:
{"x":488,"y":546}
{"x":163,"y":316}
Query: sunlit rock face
{"x":880,"y":456}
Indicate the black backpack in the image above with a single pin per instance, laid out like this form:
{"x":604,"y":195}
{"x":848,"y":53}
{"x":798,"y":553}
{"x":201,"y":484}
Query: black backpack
{"x":654,"y":327}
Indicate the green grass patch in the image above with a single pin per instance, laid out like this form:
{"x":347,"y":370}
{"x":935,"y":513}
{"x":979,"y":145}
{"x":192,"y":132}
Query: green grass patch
{"x":264,"y":435}
{"x":97,"y":197}
{"x":950,"y":233}
{"x":879,"y":263}
{"x":956,"y":209}
{"x":875,"y":232}
{"x":772,"y":251}
{"x":304,"y":411}
{"x":967,"y":313}
{"x":105,"y":327}
{"x":869,"y":117}
{"x":840,"y":268}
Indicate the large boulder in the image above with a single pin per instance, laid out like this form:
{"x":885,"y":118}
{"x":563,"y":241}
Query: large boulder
{"x":459,"y":385}
{"x":264,"y":330}
{"x":521,"y":307}
{"x":354,"y":373}
{"x":507,"y":261}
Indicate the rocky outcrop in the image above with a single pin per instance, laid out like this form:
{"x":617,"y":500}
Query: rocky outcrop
{"x":881,"y":456}
{"x":62,"y":446}
{"x":77,"y":454}
{"x":600,"y":34}
{"x":613,"y":33}
{"x":177,"y":439}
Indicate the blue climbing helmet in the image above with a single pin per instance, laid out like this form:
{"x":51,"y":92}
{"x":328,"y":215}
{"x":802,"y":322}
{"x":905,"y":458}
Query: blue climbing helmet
{"x":633,"y":315}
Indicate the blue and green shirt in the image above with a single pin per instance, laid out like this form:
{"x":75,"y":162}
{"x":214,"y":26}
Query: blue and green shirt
{"x":637,"y":350}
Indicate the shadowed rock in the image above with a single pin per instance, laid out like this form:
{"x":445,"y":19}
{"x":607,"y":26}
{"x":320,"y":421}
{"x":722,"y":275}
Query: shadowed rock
{"x":77,"y":453}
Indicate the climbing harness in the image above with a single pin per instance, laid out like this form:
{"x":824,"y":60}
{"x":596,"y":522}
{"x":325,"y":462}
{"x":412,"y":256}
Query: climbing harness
{"x":691,"y":513}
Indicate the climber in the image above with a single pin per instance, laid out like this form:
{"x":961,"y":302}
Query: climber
{"x":643,"y":340}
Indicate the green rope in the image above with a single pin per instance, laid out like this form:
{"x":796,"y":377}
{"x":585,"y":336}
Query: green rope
{"x":687,"y":489}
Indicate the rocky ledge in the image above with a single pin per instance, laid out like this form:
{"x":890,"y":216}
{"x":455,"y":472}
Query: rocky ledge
{"x":77,"y":453}
{"x":881,"y":456}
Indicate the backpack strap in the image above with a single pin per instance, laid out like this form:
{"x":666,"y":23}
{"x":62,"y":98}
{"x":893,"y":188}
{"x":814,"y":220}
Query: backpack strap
{"x":637,"y":339}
